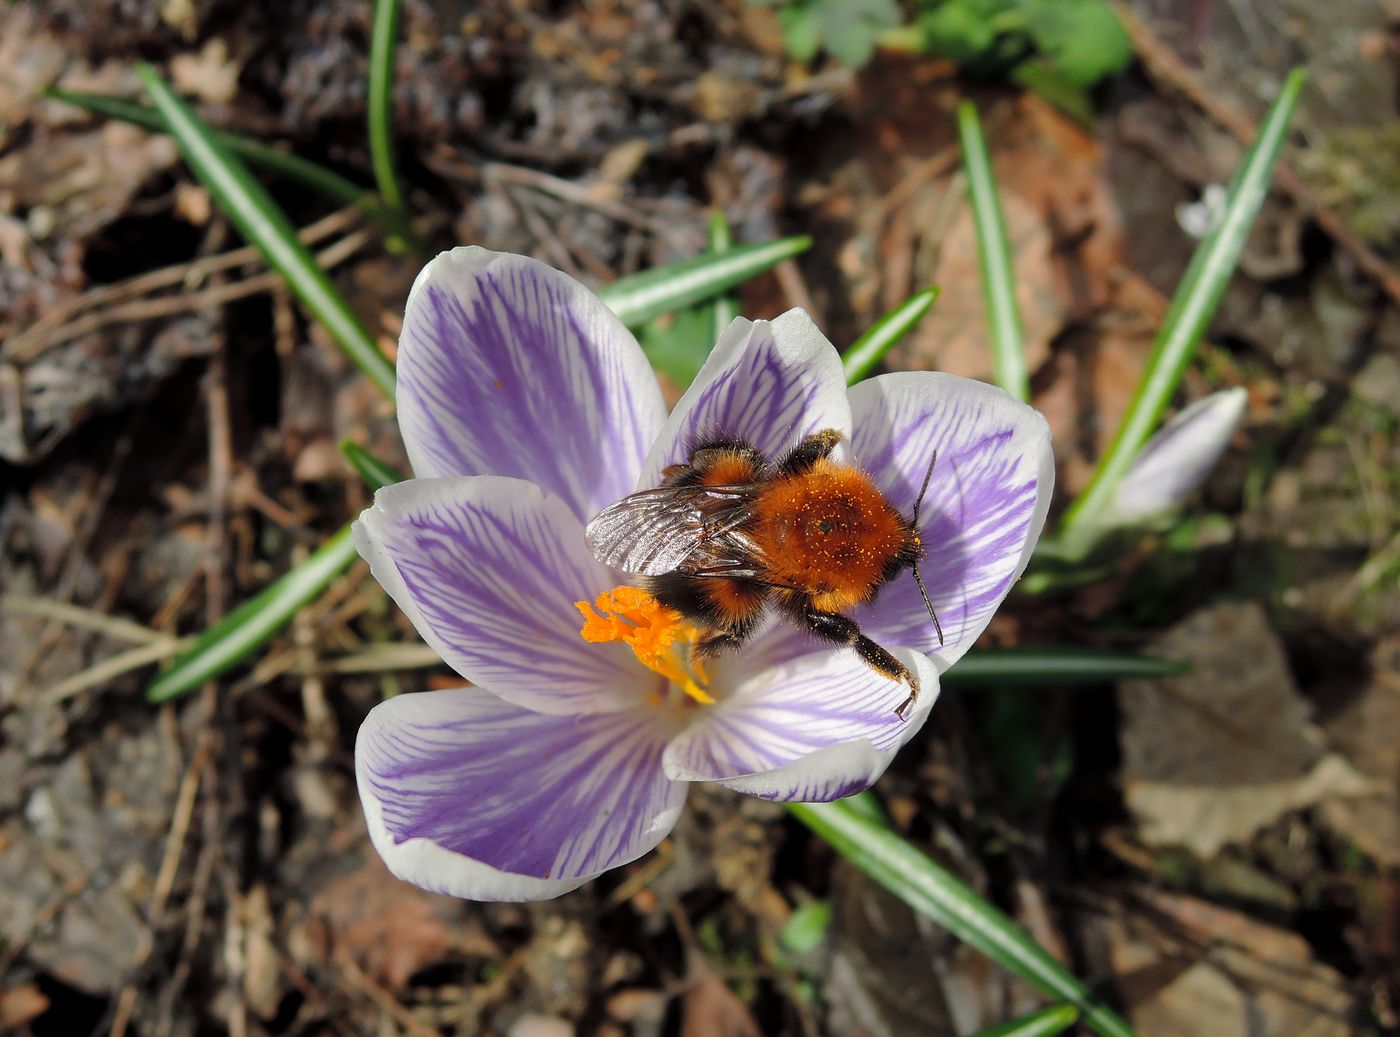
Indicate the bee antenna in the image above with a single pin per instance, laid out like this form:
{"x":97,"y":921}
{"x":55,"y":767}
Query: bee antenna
{"x":922,"y":490}
{"x":915,"y":523}
{"x":929,"y":605}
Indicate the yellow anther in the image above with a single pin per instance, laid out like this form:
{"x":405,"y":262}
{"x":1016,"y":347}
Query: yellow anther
{"x":659,"y":637}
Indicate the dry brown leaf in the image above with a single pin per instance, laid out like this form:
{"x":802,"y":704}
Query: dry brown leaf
{"x":20,"y":1005}
{"x":387,"y":927}
{"x":211,"y":74}
{"x":710,"y":1009}
{"x":1189,"y":967}
{"x":1212,"y":756}
{"x":953,"y":337}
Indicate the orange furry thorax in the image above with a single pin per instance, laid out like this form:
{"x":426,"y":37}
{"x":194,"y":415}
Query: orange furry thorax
{"x":829,"y":531}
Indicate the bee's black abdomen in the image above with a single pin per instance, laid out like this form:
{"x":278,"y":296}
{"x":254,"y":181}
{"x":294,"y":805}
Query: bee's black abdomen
{"x":725,"y":604}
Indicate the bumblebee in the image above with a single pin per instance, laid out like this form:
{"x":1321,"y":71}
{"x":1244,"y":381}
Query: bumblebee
{"x":732,"y":533}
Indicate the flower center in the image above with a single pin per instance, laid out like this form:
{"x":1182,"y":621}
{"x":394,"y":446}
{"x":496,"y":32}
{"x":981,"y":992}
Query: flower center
{"x":659,"y":637}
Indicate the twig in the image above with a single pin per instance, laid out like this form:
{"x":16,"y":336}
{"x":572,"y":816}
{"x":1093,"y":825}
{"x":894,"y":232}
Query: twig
{"x":21,"y":348}
{"x":125,"y":1004}
{"x":385,"y":999}
{"x":87,"y":619}
{"x":566,"y":190}
{"x":111,"y":668}
{"x":28,"y":347}
{"x":795,"y":288}
{"x":179,"y":830}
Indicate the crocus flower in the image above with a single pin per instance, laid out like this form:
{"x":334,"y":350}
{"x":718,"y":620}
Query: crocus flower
{"x":526,"y":407}
{"x":1177,"y":459}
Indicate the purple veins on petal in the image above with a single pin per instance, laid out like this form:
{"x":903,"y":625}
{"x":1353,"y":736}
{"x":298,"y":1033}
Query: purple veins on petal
{"x":507,"y":367}
{"x":526,"y":793}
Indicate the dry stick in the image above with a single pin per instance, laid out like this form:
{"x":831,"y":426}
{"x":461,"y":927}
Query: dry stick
{"x":929,"y":169}
{"x":795,"y":288}
{"x":22,"y":348}
{"x":179,"y":829}
{"x":148,"y":309}
{"x":361,"y":982}
{"x":1161,"y":60}
{"x":216,"y":601}
{"x":126,"y":1002}
{"x":112,"y":667}
{"x":566,"y":190}
{"x":87,"y":619}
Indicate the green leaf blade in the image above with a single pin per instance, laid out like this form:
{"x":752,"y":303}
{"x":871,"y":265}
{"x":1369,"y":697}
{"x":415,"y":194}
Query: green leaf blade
{"x":1192,"y":307}
{"x":380,"y":101}
{"x":868,"y":350}
{"x":994,"y":252}
{"x":936,"y":893}
{"x":999,"y":667}
{"x":725,"y":306}
{"x":271,"y":159}
{"x":260,"y":221}
{"x":372,"y":470}
{"x":1045,"y":1023}
{"x":237,"y":635}
{"x":641,"y":297}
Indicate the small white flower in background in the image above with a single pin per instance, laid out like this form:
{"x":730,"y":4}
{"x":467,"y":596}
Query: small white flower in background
{"x":1177,"y":459}
{"x":1199,"y":219}
{"x":526,"y":408}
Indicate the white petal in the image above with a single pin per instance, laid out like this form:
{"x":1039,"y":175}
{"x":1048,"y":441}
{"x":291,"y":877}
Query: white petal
{"x":769,"y":383}
{"x":820,"y":727}
{"x":982,"y":514}
{"x":488,"y":570}
{"x":1177,"y":459}
{"x":469,"y":795}
{"x":509,"y":367}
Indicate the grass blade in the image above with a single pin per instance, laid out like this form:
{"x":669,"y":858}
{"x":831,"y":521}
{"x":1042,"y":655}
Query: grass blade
{"x":933,"y":891}
{"x":999,"y":667}
{"x":870,"y":348}
{"x":998,"y":281}
{"x":373,"y":471}
{"x":238,"y":634}
{"x":1045,"y":1023}
{"x":725,"y":306}
{"x":256,"y":215}
{"x":640,"y":297}
{"x":274,"y":160}
{"x":264,"y":156}
{"x":381,"y":99}
{"x":1192,"y":308}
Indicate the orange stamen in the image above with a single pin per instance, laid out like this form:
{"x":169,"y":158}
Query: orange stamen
{"x":659,"y":637}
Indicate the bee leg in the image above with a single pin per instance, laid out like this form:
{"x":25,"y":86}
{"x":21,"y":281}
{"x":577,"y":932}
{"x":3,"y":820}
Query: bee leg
{"x":712,"y":645}
{"x":839,"y":629}
{"x":814,"y":448}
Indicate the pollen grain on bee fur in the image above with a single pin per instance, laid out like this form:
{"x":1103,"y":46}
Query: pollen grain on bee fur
{"x":733,"y":534}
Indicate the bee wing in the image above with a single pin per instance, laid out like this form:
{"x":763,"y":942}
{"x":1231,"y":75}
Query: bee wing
{"x":657,"y":531}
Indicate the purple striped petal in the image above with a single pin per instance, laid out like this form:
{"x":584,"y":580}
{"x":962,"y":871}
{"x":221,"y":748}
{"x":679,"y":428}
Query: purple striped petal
{"x":507,"y":367}
{"x":984,"y":508}
{"x":469,"y":795}
{"x":488,"y":570}
{"x":768,"y":382}
{"x":817,"y":729}
{"x":1177,"y":459}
